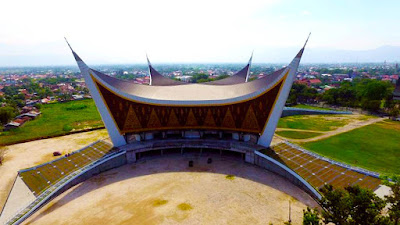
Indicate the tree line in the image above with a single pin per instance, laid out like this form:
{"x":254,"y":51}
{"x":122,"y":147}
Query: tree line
{"x":356,"y":206}
{"x":202,"y":77}
{"x":368,"y":94}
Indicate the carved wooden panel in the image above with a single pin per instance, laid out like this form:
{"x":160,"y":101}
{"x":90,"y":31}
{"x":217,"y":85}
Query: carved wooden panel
{"x":248,"y":116}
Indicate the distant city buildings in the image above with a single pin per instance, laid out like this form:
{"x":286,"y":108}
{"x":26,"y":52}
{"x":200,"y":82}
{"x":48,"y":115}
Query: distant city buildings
{"x":26,"y":87}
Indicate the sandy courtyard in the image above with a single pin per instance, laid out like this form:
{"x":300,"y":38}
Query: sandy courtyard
{"x":164,"y":190}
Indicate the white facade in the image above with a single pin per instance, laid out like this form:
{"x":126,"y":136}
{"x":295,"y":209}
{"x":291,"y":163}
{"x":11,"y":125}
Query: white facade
{"x":116,"y":138}
{"x":268,"y":133}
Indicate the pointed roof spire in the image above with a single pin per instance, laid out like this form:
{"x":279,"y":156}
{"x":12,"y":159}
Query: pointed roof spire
{"x":157,"y":79}
{"x":148,"y":61}
{"x":307,"y":40}
{"x":68,"y":43}
{"x":150,"y":69}
{"x":249,"y":66}
{"x":77,"y":58}
{"x":251,"y":57}
{"x":302,"y":50}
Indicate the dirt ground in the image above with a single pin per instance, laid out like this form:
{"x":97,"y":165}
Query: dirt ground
{"x":164,"y":190}
{"x":25,"y":155}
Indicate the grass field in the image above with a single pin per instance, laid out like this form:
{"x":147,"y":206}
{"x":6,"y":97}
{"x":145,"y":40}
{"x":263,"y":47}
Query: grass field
{"x":297,"y":134}
{"x":56,"y":119}
{"x":313,"y":122}
{"x":375,"y":147}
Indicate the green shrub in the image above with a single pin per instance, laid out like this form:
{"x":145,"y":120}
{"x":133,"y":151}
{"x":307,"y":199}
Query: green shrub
{"x":230,"y":177}
{"x":67,"y":128}
{"x":76,"y":107}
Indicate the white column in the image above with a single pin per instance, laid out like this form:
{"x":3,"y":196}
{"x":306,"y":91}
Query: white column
{"x":266,"y":137}
{"x":116,"y":138}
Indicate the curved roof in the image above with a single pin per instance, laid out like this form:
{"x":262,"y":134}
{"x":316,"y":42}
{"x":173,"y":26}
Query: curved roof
{"x":156,"y":79}
{"x":250,"y":107}
{"x":189,"y":92}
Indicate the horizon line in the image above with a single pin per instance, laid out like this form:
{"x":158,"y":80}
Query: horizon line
{"x":191,"y":63}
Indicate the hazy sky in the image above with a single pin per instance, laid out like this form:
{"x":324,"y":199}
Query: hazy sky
{"x":116,"y":31}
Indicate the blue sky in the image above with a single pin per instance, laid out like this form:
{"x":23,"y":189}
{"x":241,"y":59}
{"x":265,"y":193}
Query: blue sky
{"x":121,"y":31}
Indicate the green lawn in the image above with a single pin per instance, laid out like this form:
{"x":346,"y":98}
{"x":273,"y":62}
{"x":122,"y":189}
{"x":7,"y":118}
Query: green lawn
{"x":314,"y":122}
{"x":297,"y":134}
{"x":375,"y":147}
{"x":56,"y":119}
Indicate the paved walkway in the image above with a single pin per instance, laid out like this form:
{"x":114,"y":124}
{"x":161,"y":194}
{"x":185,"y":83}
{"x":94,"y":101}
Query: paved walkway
{"x":346,"y":128}
{"x":20,"y":196}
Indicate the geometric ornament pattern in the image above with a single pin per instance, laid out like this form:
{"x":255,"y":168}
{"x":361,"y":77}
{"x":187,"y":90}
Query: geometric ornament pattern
{"x":134,"y":117}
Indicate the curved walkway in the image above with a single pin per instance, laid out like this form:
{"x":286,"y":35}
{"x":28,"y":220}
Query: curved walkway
{"x":326,"y":134}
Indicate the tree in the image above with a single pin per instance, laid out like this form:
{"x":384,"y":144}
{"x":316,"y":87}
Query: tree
{"x":394,"y":112}
{"x":300,"y":93}
{"x":222,"y":77}
{"x":345,"y":95}
{"x":10,"y":90}
{"x":365,"y":205}
{"x":202,"y":80}
{"x":6,"y":114}
{"x":311,"y":217}
{"x":336,"y":205}
{"x":365,"y":93}
{"x":371,"y":105}
{"x":353,"y":205}
{"x":394,"y":199}
{"x":85,"y":90}
{"x":65,"y":97}
{"x":393,"y":107}
{"x":374,"y":89}
{"x":200,"y":76}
